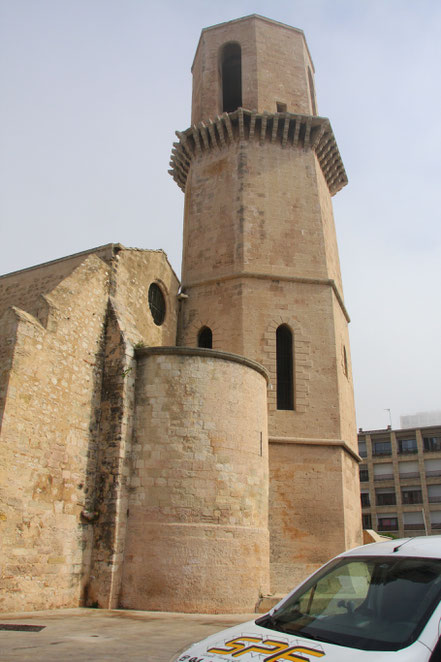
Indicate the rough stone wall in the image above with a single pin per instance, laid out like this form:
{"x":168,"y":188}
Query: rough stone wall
{"x":48,"y":441}
{"x":267,"y":47}
{"x":311,"y":510}
{"x":134,"y":271}
{"x":351,"y":506}
{"x":256,"y":208}
{"x":267,"y":256}
{"x":199,"y":490}
{"x":129,"y":324}
{"x":66,"y":394}
{"x":110,"y":497}
{"x":22,"y":289}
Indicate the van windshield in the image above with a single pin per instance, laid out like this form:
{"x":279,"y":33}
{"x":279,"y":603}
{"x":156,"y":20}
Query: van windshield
{"x":370,"y":603}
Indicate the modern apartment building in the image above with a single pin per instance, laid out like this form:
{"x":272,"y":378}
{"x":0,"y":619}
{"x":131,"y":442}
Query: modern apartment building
{"x":400,"y":479}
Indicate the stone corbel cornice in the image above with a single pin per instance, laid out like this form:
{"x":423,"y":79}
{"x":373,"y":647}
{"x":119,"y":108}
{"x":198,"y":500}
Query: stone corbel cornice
{"x":288,"y":129}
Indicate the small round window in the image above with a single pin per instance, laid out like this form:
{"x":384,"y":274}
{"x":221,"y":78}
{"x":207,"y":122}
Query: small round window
{"x":156,"y":304}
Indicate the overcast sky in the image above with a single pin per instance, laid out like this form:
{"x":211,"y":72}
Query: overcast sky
{"x":93,"y":90}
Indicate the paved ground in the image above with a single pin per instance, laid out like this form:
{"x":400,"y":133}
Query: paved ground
{"x":99,"y":635}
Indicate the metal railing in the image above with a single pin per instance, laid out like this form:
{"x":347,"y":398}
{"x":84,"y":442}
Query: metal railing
{"x":384,"y":477}
{"x":388,"y":527}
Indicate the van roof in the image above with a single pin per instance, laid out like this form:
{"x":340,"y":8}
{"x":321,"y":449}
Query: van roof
{"x":424,"y":546}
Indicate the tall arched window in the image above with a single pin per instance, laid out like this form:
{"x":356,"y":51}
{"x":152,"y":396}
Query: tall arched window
{"x":312,"y":92}
{"x":345,"y":362}
{"x":205,"y":338}
{"x":284,"y":357}
{"x":231,"y":77}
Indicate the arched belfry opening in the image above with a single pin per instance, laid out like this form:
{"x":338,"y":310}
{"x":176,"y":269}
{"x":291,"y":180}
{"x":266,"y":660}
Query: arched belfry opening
{"x":205,"y":338}
{"x":284,"y":359}
{"x":231,"y":76}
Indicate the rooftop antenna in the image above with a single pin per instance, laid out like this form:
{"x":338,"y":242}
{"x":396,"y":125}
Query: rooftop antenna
{"x":390,"y":418}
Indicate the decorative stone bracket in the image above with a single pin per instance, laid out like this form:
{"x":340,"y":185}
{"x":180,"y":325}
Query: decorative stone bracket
{"x":288,"y":129}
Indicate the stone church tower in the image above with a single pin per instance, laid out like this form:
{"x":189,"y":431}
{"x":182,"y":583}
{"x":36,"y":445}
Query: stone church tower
{"x":190,"y":446}
{"x":261,"y":271}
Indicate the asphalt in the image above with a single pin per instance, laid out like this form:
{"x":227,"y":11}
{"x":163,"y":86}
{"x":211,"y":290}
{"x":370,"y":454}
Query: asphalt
{"x":101,"y":635}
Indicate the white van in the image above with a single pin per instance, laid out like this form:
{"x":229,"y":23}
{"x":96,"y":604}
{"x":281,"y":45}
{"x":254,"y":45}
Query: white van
{"x":376,"y":603}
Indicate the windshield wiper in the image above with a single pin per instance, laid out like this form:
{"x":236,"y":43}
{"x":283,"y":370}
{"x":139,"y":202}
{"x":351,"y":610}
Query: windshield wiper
{"x":269,"y":621}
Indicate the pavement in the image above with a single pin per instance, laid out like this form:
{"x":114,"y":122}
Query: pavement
{"x":102,"y":635}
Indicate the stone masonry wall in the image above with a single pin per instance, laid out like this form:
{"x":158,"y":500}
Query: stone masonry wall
{"x":66,"y":398}
{"x":197,"y":529}
{"x":305,"y":531}
{"x":267,"y":256}
{"x":48,"y":442}
{"x":23,"y":288}
{"x":267,"y":47}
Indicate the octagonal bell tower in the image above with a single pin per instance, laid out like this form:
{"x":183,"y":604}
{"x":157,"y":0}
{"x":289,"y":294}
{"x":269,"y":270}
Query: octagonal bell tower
{"x":261,"y":272}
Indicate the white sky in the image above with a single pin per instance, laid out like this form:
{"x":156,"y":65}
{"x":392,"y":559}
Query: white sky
{"x":93,"y":90}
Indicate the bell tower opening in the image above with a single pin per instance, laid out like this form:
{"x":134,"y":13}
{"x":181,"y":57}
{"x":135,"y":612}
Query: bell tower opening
{"x":231,"y":76}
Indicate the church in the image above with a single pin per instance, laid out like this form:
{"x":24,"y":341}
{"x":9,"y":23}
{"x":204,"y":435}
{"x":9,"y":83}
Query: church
{"x":191,"y":445}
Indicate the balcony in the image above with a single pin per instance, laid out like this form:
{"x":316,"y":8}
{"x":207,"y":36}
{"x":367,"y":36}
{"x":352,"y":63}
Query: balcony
{"x":436,"y":525}
{"x":386,"y":500}
{"x":433,"y":473}
{"x":414,"y":527}
{"x":411,"y":474}
{"x":378,"y":453}
{"x":435,"y":499}
{"x":385,"y":477}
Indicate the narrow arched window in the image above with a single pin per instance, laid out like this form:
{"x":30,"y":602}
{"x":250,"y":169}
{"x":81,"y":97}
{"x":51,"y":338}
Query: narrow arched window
{"x":231,"y":77}
{"x":205,"y":338}
{"x":312,"y":92}
{"x":345,"y":362}
{"x":284,"y":358}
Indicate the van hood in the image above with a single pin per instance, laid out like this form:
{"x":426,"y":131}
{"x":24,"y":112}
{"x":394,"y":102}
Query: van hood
{"x":249,"y":642}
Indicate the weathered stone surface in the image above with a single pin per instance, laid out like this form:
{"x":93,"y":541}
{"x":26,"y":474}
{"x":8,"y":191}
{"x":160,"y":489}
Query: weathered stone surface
{"x":198,"y":522}
{"x":65,"y":396}
{"x":166,"y":477}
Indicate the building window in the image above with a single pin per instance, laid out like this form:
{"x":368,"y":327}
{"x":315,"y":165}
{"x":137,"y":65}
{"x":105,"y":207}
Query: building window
{"x":365,"y":500}
{"x":407,"y":446}
{"x":284,"y":359}
{"x":366,"y":521}
{"x":362,"y":450}
{"x":156,"y":304}
{"x":432,"y":444}
{"x":205,"y":338}
{"x":385,"y":498}
{"x":412,"y":496}
{"x":381,"y":448}
{"x":231,"y":76}
{"x":364,"y":475}
{"x":388,"y":523}
{"x":281,"y":107}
